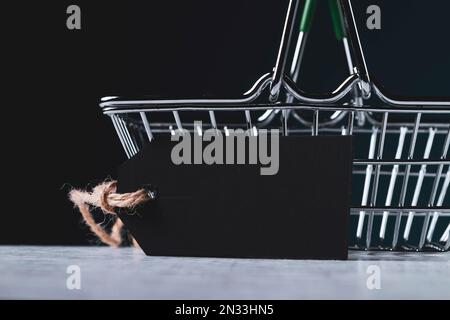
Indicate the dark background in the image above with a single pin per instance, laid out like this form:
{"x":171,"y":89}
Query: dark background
{"x":55,"y":136}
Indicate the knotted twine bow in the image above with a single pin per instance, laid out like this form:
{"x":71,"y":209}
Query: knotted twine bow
{"x":104,"y":196}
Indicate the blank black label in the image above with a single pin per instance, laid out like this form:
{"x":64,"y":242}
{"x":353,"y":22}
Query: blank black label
{"x":232,"y":211}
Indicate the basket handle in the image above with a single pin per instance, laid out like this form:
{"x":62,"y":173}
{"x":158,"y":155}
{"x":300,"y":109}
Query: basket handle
{"x":337,"y":18}
{"x":307,"y":16}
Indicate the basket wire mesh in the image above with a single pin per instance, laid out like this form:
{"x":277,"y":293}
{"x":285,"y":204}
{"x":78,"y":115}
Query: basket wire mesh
{"x":401,"y":172}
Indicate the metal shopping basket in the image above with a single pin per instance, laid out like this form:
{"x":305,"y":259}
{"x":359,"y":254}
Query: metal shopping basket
{"x":401,"y":171}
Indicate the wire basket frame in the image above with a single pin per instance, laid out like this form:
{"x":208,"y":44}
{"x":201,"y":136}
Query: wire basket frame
{"x":401,"y":168}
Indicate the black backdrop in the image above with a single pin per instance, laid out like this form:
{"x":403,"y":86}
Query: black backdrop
{"x":54,"y":134}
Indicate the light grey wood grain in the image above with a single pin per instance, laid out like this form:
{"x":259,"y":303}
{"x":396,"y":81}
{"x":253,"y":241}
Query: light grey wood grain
{"x":29,"y":272}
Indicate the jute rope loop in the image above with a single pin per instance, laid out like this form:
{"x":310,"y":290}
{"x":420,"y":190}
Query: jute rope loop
{"x":105,"y":197}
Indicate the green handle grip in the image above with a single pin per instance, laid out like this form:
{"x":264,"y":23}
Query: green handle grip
{"x":308,"y":13}
{"x":338,"y":20}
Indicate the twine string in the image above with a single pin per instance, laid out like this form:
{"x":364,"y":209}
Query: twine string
{"x":105,"y":197}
